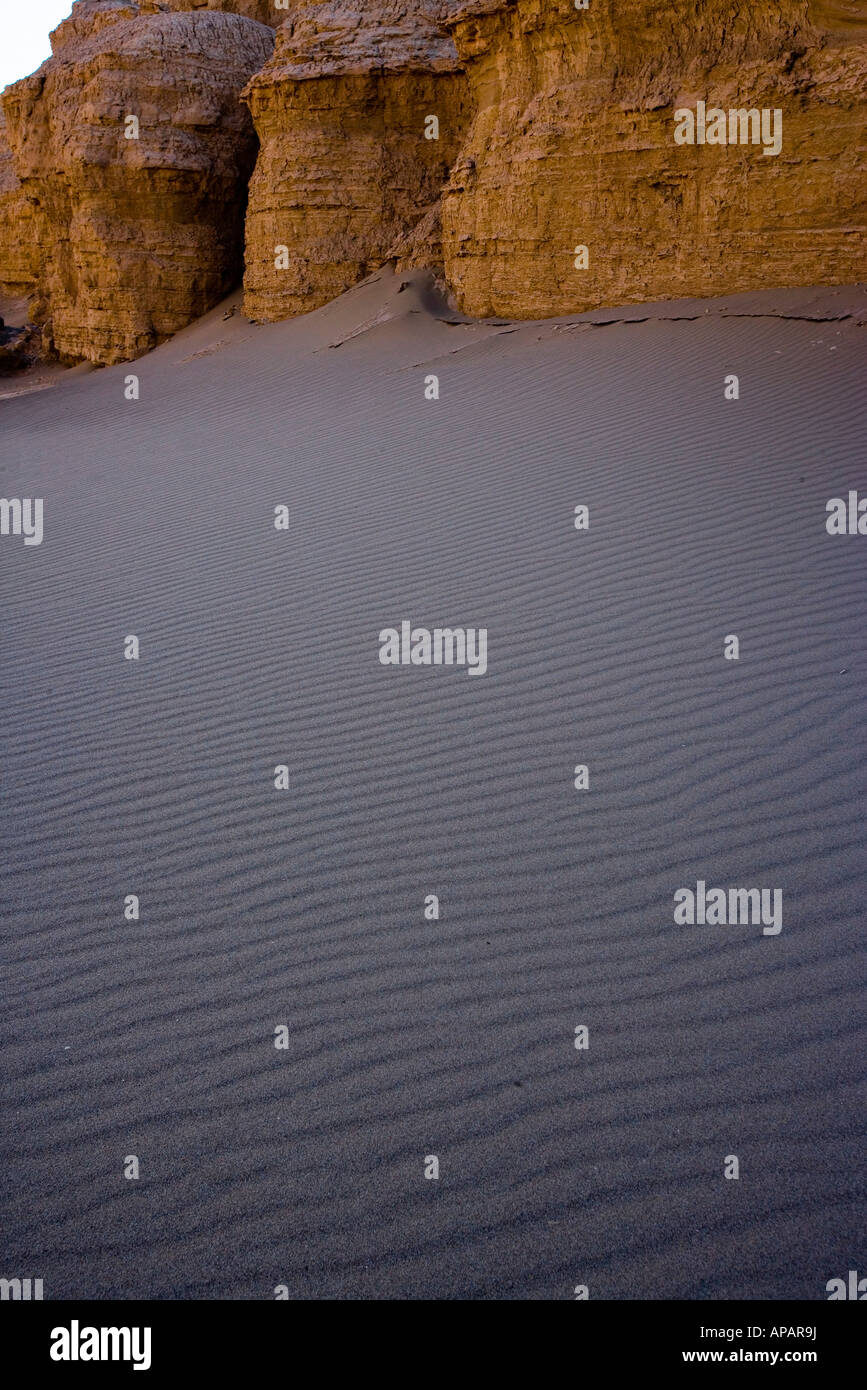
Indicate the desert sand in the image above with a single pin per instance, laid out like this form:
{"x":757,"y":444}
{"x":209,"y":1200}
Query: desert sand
{"x":304,"y":1167}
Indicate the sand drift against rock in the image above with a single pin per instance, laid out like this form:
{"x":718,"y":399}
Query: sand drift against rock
{"x":541,"y":159}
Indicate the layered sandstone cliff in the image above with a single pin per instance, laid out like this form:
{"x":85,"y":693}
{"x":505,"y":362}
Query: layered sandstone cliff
{"x":572,"y":145}
{"x":17,"y":260}
{"x":265,"y":11}
{"x":347,"y":172}
{"x":555,"y":182}
{"x":133,"y":152}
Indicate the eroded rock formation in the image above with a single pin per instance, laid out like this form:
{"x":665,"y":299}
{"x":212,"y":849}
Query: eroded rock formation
{"x":17,"y":261}
{"x":133,"y":151}
{"x":345,"y":172}
{"x":265,"y":11}
{"x":572,"y":145}
{"x":556,"y":131}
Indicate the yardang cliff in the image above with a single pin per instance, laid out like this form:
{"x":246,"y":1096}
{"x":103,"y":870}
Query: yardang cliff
{"x":489,"y":140}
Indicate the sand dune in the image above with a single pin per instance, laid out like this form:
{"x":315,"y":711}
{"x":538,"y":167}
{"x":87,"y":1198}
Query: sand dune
{"x":408,"y":1038}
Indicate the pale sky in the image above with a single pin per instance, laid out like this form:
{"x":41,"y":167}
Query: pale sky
{"x":24,"y":29}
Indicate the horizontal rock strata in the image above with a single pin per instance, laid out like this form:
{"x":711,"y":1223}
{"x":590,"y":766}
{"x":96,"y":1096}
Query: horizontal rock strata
{"x":556,"y":181}
{"x":345,"y":171}
{"x":572,"y":145}
{"x":134,"y":151}
{"x":264,"y":11}
{"x":17,"y":259}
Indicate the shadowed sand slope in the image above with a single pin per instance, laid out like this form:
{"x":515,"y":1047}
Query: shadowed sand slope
{"x":453,"y":1038}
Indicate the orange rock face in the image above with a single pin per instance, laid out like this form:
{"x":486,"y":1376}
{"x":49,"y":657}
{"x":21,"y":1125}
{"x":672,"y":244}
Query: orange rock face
{"x":548,"y":159}
{"x":17,"y":262}
{"x":135,"y":167}
{"x":359,"y":114}
{"x":573,"y":145}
